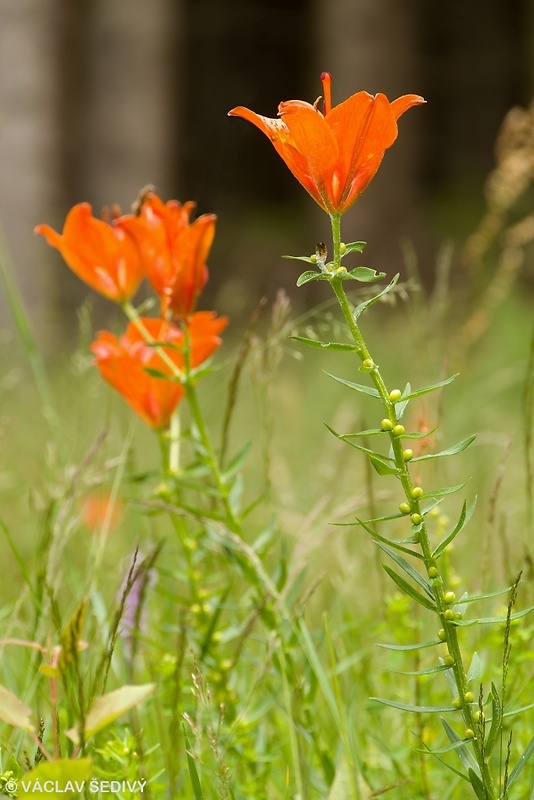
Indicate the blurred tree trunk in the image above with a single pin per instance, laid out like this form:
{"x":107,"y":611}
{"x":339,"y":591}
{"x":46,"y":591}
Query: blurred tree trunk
{"x":370,"y":45}
{"x":28,"y":146}
{"x":128,"y":133}
{"x":117,"y":123}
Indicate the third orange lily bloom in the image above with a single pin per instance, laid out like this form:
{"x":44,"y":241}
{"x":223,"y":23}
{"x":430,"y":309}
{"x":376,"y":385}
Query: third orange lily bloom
{"x":126,"y":362}
{"x":174,"y":250}
{"x":335,"y":153}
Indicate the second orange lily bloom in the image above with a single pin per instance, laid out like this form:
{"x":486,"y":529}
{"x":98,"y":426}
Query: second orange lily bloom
{"x":126,"y":363}
{"x":173,"y":249}
{"x":335,"y":153}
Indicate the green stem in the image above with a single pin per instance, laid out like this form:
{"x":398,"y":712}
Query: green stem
{"x":196,"y":414}
{"x":448,"y":630}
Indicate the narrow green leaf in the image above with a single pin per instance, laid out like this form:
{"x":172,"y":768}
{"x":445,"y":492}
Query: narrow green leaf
{"x":417,"y":646}
{"x":475,"y":668}
{"x":401,"y":405}
{"x":450,"y":451}
{"x":366,"y":303}
{"x":445,"y":490}
{"x":419,"y":434}
{"x":475,"y":597}
{"x":365,"y":275}
{"x":310,"y":275}
{"x":358,"y":434}
{"x":107,"y":708}
{"x":428,"y":671}
{"x":355,"y":247}
{"x":431,"y":388}
{"x":384,"y":460}
{"x":415,"y":709}
{"x":192,"y":767}
{"x":381,"y":466}
{"x":409,"y":589}
{"x":515,"y":711}
{"x":358,"y":387}
{"x":464,"y":753}
{"x":408,"y":569}
{"x":391,"y":542}
{"x":307,"y":259}
{"x":496,"y":721}
{"x":14,"y":711}
{"x":157,"y":373}
{"x":493,"y":620}
{"x":325,"y":345}
{"x":477,"y":785}
{"x":236,"y":462}
{"x":518,"y":769}
{"x":446,"y":749}
{"x":465,"y":516}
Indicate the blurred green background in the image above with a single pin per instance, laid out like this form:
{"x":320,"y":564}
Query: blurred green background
{"x":99,"y":98}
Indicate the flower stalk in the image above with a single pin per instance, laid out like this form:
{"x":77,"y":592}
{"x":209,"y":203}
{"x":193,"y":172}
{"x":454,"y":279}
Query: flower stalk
{"x":411,"y":506}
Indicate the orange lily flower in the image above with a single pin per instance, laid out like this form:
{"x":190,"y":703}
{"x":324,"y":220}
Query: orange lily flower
{"x":124,"y":362}
{"x":335,"y":153}
{"x":174,"y":250}
{"x":98,"y":252}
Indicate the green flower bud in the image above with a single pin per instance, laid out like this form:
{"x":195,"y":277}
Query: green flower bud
{"x":469,"y":697}
{"x":433,"y":572}
{"x":404,"y":508}
{"x":480,"y":716}
{"x":398,"y":430}
{"x":449,"y":597}
{"x":417,"y":492}
{"x":367,"y":363}
{"x":340,"y":270}
{"x":395,"y":395}
{"x":449,"y":614}
{"x":458,"y":615}
{"x":449,"y":660}
{"x":416,"y":519}
{"x":313,"y":258}
{"x":469,"y":734}
{"x":457,"y":703}
{"x":386,"y":425}
{"x":407,"y":454}
{"x":442,"y":635}
{"x":342,"y":248}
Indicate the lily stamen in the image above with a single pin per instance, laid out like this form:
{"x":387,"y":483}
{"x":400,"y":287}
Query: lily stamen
{"x":326,"y":80}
